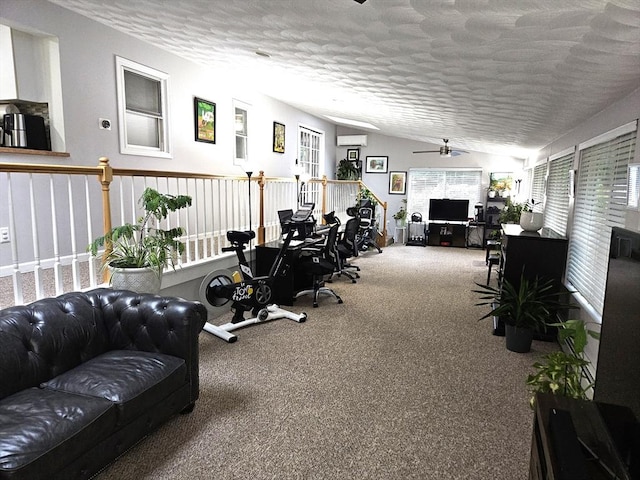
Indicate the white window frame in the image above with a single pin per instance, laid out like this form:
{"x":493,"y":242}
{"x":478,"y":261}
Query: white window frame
{"x":558,"y":192}
{"x":126,"y":148}
{"x":241,"y":156}
{"x":600,"y":202}
{"x":311,"y":160}
{"x":438,"y":186}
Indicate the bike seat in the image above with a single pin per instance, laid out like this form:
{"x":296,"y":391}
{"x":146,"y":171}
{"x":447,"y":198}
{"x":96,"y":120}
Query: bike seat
{"x":235,"y":236}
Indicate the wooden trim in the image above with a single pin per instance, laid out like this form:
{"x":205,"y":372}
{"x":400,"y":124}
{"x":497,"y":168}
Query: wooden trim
{"x":29,"y":151}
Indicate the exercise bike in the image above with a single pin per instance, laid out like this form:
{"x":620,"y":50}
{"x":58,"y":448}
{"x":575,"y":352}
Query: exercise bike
{"x":223,"y":290}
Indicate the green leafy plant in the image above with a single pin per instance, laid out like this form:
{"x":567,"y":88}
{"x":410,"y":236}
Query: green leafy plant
{"x":347,"y":170}
{"x":560,"y":373}
{"x":511,"y":212}
{"x":401,"y":214}
{"x":530,"y":305}
{"x":365,"y":194}
{"x":143,"y":245}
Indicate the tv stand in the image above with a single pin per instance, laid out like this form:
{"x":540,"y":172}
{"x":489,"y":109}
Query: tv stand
{"x":447,"y":234}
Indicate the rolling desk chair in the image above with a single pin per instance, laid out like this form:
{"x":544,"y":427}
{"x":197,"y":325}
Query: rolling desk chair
{"x":317,"y":263}
{"x":368,"y":230}
{"x":347,"y":248}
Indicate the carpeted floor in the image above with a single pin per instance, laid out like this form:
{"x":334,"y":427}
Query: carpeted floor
{"x":401,"y":381}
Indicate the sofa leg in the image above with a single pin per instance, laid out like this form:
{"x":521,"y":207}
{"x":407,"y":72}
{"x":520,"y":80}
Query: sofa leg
{"x":188,"y":409}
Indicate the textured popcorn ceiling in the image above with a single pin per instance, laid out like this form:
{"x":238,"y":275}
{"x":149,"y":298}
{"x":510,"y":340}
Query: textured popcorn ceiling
{"x":487,"y":74}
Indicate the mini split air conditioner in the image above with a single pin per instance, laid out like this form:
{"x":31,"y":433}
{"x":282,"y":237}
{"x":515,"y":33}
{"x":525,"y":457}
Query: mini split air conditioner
{"x":352,"y":141}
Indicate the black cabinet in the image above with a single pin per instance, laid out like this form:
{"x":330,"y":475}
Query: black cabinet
{"x":447,"y":234}
{"x":493,"y":207}
{"x":541,"y":254}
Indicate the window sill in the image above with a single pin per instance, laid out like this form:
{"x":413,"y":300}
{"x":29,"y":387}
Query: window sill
{"x":28,"y":151}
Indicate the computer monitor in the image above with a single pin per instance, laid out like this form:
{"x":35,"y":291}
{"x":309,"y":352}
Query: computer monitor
{"x":285,"y":216}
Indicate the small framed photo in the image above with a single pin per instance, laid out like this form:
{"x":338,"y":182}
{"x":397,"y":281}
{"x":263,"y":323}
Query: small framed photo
{"x":204,"y":113}
{"x":398,"y":183}
{"x":353,"y":154}
{"x":377,"y":164}
{"x":278,"y":137}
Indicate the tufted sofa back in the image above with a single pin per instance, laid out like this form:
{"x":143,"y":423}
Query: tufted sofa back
{"x":50,"y":336}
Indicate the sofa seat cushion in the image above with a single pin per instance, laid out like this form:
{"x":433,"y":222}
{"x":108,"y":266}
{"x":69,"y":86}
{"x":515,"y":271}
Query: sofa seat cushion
{"x":133,"y":380}
{"x":39,"y":428}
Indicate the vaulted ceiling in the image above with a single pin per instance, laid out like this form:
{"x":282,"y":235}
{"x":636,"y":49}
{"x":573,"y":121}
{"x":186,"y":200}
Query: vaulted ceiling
{"x":491,"y":75}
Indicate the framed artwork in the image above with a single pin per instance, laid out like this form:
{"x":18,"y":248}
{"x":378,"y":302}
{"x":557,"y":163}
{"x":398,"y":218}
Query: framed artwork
{"x":278,"y":137}
{"x":398,"y":183}
{"x":377,"y":164}
{"x":353,"y":154}
{"x":204,"y":113}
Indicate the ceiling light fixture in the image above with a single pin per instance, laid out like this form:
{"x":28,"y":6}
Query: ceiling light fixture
{"x":352,"y":123}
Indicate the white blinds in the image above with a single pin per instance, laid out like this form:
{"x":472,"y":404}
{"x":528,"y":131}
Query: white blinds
{"x":425,"y":184}
{"x":600,"y":203}
{"x":556,"y":208}
{"x":537,"y":186}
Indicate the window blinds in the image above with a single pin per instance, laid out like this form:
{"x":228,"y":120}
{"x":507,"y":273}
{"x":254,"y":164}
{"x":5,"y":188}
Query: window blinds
{"x":556,"y":208}
{"x":460,"y":184}
{"x":537,"y":186}
{"x":600,"y":203}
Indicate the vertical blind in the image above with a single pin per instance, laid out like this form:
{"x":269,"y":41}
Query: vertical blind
{"x":425,"y":183}
{"x":556,"y":208}
{"x":600,"y":204}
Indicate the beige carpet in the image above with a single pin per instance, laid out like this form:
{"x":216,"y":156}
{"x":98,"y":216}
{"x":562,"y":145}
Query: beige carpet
{"x":401,"y":381}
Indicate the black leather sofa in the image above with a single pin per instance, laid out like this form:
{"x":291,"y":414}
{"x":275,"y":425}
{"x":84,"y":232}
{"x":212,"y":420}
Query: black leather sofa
{"x":84,"y":376}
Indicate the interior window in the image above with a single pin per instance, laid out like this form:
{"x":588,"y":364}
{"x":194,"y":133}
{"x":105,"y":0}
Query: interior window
{"x":241,"y":131}
{"x":142,"y":112}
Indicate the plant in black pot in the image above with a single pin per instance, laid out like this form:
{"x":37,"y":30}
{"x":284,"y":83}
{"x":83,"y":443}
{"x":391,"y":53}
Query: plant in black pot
{"x":136,"y":254}
{"x":525,"y":309}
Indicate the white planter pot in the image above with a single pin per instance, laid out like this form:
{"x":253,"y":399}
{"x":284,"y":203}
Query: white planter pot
{"x":141,"y":280}
{"x":531,"y":221}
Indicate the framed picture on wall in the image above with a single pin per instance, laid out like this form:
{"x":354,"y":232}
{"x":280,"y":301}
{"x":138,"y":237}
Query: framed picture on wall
{"x":204,"y":113}
{"x":278,"y":137}
{"x":376,"y":164}
{"x":353,"y":154}
{"x":398,"y":183}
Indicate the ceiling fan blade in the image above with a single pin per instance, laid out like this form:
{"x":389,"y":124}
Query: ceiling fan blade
{"x":427,"y":151}
{"x":455,"y":153}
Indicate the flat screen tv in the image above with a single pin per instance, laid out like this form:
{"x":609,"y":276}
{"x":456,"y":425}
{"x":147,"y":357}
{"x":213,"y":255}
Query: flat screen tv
{"x":449,"y":210}
{"x":618,"y":367}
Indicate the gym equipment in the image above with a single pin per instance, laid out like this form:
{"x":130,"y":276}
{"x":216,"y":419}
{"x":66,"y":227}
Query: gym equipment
{"x":368,"y":229}
{"x":222,"y":290}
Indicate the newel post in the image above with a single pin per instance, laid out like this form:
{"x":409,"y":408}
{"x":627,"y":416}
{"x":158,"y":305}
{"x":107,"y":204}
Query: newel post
{"x":261,"y":229}
{"x":105,"y":178}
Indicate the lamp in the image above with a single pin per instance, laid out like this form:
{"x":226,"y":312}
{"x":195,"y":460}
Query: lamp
{"x":297,"y":173}
{"x":248,"y":169}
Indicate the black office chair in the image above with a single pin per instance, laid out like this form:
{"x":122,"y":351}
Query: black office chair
{"x":317,"y":263}
{"x":347,"y":248}
{"x":368,"y":230}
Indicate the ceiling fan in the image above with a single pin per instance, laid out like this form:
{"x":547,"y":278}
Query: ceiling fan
{"x":445,"y":150}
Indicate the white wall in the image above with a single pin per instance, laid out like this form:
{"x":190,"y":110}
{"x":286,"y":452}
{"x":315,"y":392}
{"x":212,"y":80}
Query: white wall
{"x":87,"y":65}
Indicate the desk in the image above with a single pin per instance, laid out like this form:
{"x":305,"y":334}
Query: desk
{"x":285,"y":284}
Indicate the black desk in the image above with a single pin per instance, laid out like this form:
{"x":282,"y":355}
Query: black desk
{"x":285,"y":284}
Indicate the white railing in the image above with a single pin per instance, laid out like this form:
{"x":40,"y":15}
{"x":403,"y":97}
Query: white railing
{"x":53,"y":212}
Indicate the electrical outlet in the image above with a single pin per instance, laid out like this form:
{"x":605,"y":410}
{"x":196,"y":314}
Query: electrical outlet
{"x":104,"y":123}
{"x":4,"y":235}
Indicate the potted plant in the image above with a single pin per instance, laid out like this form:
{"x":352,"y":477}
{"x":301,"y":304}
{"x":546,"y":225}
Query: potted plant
{"x":347,"y":170}
{"x":401,"y":215}
{"x":137,"y":253}
{"x":560,"y":372}
{"x":365,"y":194}
{"x":530,"y":221}
{"x":511,"y":212}
{"x":525,"y":309}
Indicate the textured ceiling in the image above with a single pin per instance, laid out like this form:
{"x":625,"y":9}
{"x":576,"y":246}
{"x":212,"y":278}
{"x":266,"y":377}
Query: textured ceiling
{"x":487,"y":74}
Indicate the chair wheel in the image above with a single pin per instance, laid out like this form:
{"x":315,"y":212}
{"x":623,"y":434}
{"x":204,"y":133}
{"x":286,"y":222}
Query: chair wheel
{"x":353,"y":280}
{"x":340,"y":300}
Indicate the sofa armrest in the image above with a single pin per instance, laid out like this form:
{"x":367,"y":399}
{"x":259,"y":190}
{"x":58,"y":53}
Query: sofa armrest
{"x":153,"y":323}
